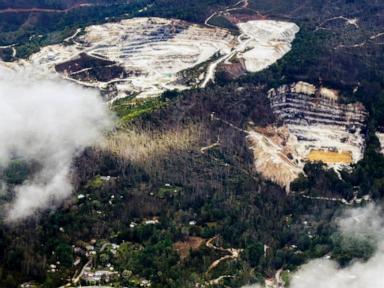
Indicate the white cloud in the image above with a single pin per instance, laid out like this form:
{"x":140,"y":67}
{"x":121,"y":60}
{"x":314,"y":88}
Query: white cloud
{"x":362,"y":223}
{"x":48,"y":121}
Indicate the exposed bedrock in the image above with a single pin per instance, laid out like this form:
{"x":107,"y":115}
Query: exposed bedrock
{"x":316,"y":126}
{"x":144,"y":57}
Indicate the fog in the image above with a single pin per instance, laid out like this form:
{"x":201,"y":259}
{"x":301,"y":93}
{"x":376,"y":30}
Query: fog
{"x":361,"y":223}
{"x":49,"y":122}
{"x":365,"y":224}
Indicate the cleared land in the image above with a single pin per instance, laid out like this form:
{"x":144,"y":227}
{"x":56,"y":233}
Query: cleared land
{"x":190,"y":243}
{"x":143,"y":57}
{"x":315,"y":127}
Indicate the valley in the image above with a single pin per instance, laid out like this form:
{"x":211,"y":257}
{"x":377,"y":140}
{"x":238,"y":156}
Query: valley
{"x":236,"y":135}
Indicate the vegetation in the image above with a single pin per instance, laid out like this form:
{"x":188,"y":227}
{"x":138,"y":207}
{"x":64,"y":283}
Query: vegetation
{"x":217,"y":189}
{"x":16,"y":172}
{"x":129,"y":109}
{"x":220,"y":21}
{"x":158,"y":171}
{"x":51,"y":28}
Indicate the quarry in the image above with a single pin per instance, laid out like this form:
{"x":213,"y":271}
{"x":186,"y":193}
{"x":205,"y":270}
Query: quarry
{"x":312,"y":126}
{"x":143,"y":57}
{"x":380,"y":136}
{"x":267,"y":42}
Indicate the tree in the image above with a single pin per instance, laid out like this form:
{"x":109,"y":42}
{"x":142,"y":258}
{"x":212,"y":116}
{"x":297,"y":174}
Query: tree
{"x":254,"y":252}
{"x":64,"y":254}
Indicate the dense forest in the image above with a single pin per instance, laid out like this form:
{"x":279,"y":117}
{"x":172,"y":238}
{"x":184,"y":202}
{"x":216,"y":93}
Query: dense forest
{"x":192,"y":191}
{"x":217,"y":189}
{"x":60,"y":4}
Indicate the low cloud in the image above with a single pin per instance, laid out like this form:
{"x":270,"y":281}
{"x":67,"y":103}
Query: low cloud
{"x":48,"y":122}
{"x":363,"y":224}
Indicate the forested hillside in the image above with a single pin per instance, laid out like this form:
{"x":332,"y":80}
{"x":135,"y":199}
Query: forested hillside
{"x":176,"y":174}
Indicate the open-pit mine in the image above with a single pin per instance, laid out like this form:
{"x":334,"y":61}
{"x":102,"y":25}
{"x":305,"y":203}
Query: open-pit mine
{"x":312,"y":125}
{"x":143,"y":57}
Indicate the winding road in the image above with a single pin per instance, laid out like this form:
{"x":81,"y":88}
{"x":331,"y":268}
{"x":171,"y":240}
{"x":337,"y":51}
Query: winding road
{"x":210,"y":74}
{"x":232,"y":254}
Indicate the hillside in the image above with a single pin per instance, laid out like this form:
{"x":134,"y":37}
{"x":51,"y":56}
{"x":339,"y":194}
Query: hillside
{"x":191,"y":143}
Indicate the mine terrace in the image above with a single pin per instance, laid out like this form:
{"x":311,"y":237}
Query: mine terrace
{"x":312,"y":125}
{"x":143,"y":57}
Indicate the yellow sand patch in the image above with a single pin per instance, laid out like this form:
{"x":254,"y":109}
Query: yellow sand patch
{"x":330,"y":157}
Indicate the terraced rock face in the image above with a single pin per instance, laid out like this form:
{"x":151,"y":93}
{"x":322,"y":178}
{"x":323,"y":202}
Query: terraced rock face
{"x":380,"y":136}
{"x":143,"y":57}
{"x":314,"y":127}
{"x":269,"y":40}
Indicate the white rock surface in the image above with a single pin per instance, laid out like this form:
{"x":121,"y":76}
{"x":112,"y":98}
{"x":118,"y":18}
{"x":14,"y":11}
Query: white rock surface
{"x":271,"y":150}
{"x":269,"y":41}
{"x":158,"y":49}
{"x":313,"y":121}
{"x":380,"y":136}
